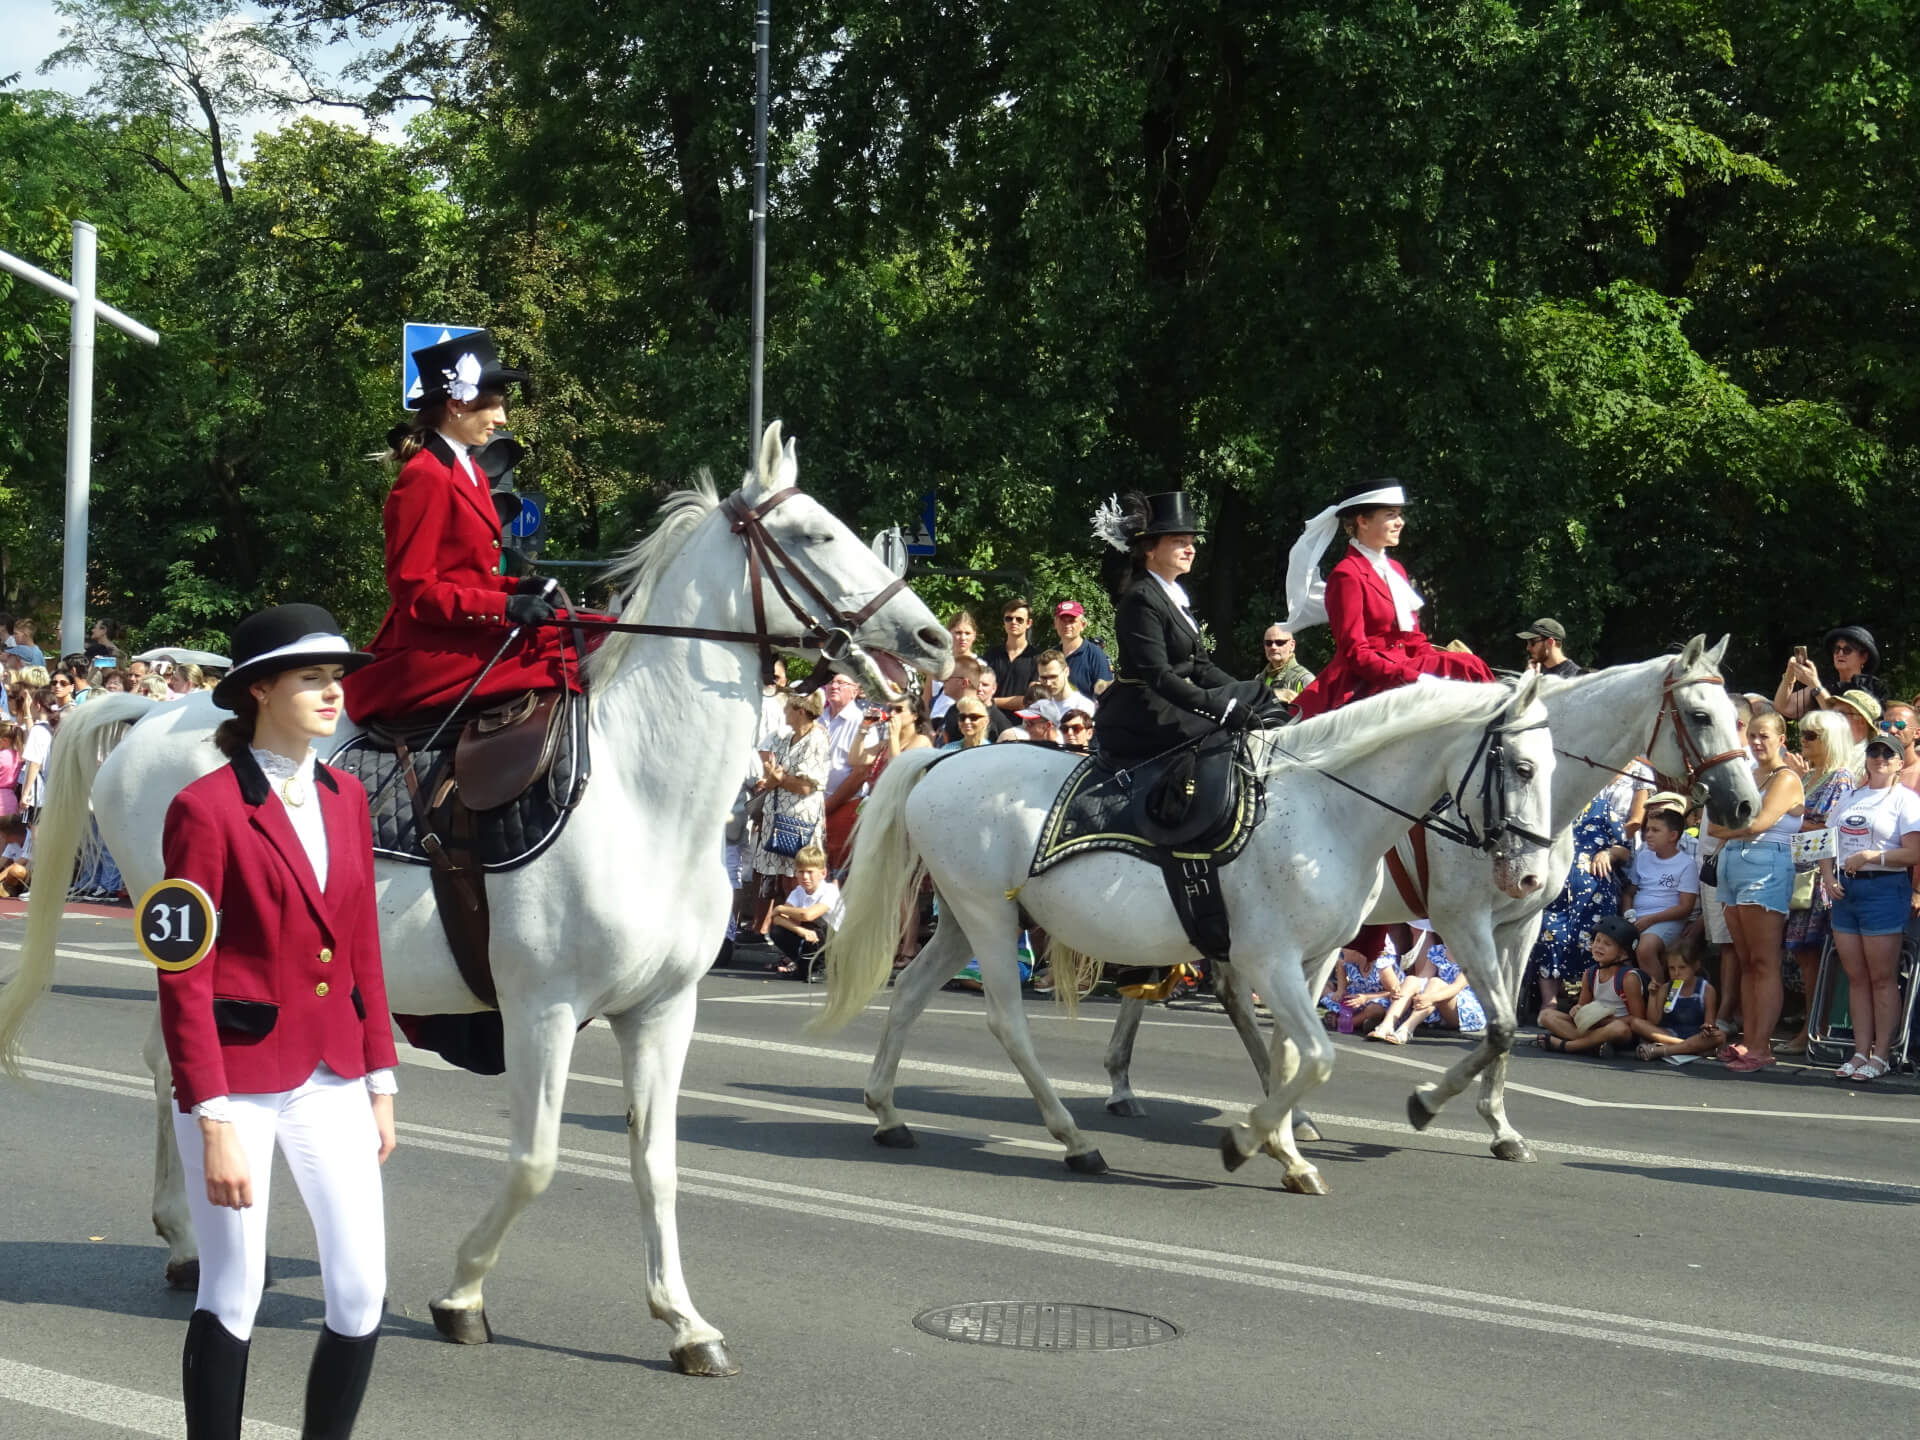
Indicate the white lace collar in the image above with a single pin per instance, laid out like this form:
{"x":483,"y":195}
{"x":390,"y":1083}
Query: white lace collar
{"x":1406,"y":600}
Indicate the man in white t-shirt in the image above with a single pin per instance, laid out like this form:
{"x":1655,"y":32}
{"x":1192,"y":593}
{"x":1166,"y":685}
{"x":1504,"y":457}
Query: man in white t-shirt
{"x":846,"y":763}
{"x":1659,"y":891}
{"x":33,"y":764}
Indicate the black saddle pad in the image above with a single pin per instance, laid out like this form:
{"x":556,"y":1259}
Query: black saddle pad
{"x":508,"y":836}
{"x":1104,"y":806}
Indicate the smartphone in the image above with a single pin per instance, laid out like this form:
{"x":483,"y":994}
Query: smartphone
{"x":1800,"y":652}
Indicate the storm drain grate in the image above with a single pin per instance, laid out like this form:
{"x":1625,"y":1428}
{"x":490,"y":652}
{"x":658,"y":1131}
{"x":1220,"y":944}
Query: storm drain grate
{"x":1020,"y":1325}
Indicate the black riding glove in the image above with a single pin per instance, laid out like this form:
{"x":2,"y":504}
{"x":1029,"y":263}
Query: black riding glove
{"x":529,"y":610}
{"x":531,"y":585}
{"x":1239,"y":717}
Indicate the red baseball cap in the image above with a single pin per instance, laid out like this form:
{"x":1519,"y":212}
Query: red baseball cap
{"x":1069,"y":607}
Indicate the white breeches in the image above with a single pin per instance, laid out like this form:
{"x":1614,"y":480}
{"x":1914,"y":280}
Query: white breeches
{"x":325,"y":1129}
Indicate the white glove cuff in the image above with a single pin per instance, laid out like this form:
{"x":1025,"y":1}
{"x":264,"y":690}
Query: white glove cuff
{"x":381,"y":1082}
{"x":217,"y":1108}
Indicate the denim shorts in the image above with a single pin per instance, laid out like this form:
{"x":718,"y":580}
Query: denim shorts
{"x":1756,"y":872}
{"x":1875,"y":903}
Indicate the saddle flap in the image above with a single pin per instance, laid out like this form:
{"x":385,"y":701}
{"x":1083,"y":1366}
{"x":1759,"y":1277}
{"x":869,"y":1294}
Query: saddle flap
{"x":504,"y":751}
{"x":1196,"y":799}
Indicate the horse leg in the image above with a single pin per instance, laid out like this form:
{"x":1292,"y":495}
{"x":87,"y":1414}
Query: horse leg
{"x":1126,"y":1026}
{"x":994,"y":944}
{"x":539,"y":1047}
{"x":945,"y":953}
{"x":172,"y":1221}
{"x":653,"y":1053}
{"x":1302,"y":1059}
{"x":1478,"y":958}
{"x":1237,"y":997}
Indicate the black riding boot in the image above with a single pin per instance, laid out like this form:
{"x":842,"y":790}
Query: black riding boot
{"x":336,"y":1384}
{"x":213,"y":1378}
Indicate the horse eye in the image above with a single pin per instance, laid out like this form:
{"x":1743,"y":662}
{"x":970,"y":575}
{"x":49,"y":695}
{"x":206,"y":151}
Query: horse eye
{"x":1700,"y":717}
{"x":1524,"y":769}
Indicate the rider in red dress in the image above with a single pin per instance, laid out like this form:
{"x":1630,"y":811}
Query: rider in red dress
{"x":450,"y":609}
{"x":1370,"y":604}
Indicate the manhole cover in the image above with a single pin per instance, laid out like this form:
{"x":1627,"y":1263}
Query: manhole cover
{"x":1017,"y":1325}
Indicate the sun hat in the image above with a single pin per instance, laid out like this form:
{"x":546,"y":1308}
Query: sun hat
{"x":283,"y":638}
{"x":1860,"y":637}
{"x":1668,"y":800}
{"x":1858,"y":701}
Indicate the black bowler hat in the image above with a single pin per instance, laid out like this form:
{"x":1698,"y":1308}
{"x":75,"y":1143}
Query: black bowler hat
{"x":283,"y":638}
{"x":1169,"y":514}
{"x":462,"y":368}
{"x":1858,"y":636}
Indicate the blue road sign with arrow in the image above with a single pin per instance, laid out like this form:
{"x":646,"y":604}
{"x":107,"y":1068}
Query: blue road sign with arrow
{"x":532,"y":517}
{"x":921,"y":541}
{"x":416,"y":336}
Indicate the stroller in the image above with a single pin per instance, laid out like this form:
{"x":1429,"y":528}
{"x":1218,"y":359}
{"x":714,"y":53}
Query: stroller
{"x":1830,"y":1015}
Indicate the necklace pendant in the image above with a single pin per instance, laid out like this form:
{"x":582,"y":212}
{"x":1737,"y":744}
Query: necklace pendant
{"x":292,"y":791}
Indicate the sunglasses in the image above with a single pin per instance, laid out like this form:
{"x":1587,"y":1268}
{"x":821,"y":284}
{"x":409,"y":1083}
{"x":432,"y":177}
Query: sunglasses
{"x":1013,"y":619}
{"x":1276,"y":644}
{"x":1841,"y":647}
{"x":1076,"y":727}
{"x":971,"y":719}
{"x":1893,"y":724}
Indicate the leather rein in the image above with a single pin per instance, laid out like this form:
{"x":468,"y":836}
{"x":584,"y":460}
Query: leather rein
{"x":1690,"y":752}
{"x":1495,"y":821}
{"x":768,"y":563}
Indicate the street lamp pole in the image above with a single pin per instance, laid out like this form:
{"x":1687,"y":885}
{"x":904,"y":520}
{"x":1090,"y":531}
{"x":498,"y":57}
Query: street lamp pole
{"x":762,"y":47}
{"x":85,"y":306}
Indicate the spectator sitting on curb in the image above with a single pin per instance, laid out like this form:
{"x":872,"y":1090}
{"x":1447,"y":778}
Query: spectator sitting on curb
{"x":15,"y":856}
{"x":1659,"y":891}
{"x":812,"y":912}
{"x":1684,"y":1030}
{"x":1612,"y":997}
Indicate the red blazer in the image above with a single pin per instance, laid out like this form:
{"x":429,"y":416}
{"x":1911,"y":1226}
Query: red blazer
{"x":449,"y":610}
{"x":305,"y":959}
{"x":1371,"y":653}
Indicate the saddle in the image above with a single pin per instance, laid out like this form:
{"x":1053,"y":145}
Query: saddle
{"x":1188,"y":810}
{"x":488,"y":795}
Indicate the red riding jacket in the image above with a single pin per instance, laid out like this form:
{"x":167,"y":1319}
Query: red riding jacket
{"x":1371,"y":653}
{"x":299,"y":962}
{"x":449,"y":610}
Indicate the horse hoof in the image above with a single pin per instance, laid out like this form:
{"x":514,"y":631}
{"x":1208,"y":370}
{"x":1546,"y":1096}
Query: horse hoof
{"x":1304,"y":1129}
{"x":706,"y":1358}
{"x":462,"y":1327}
{"x":1513,"y":1148}
{"x":894,"y":1137}
{"x":1307,"y":1182}
{"x":1230,"y":1152}
{"x":1127,"y":1109}
{"x":183,"y":1274}
{"x":1090,"y":1163}
{"x":1417,"y":1113}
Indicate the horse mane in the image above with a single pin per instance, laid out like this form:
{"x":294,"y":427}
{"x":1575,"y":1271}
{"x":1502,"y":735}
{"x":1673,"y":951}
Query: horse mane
{"x":638,"y":570}
{"x":1350,"y":734}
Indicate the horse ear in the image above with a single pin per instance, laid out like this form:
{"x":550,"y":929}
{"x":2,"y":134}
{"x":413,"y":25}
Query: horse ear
{"x":1529,"y":690}
{"x":1713,"y":655}
{"x":790,"y":466}
{"x":769,"y":457}
{"x":1690,"y":652}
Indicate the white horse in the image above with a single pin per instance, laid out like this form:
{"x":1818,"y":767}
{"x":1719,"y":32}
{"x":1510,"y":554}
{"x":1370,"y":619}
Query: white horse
{"x":1673,"y":710}
{"x":619,"y":918}
{"x":1309,"y":874}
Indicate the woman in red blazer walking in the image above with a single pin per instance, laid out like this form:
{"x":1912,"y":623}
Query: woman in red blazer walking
{"x":450,"y":610}
{"x":274,"y":1011}
{"x":1370,"y":604}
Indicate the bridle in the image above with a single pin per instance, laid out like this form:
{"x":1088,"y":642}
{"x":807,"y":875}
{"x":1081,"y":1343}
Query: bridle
{"x":829,"y":629}
{"x":1446,"y":817}
{"x":1691,"y":756}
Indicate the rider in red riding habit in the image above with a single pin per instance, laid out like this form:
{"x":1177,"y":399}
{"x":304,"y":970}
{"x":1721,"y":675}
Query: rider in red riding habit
{"x":451,"y":610}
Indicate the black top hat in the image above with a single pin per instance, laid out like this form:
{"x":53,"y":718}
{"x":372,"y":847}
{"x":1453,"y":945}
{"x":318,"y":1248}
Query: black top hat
{"x":1857,"y":635}
{"x":283,"y":638}
{"x":1169,"y":514}
{"x":447,"y":369}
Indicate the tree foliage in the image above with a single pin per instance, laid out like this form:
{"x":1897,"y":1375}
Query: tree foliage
{"x":1624,"y":293}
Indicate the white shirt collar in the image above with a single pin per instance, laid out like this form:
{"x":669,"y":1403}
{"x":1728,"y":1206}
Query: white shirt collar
{"x":462,"y":453}
{"x":1406,"y":600}
{"x":1179,"y":597}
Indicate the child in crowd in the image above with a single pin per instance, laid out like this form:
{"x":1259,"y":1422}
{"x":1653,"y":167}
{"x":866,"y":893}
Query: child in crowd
{"x":1686,"y":1007}
{"x":16,"y":856}
{"x":12,"y":763}
{"x":1436,"y":993}
{"x":813,"y":911}
{"x":1661,"y":887}
{"x":1612,"y":997}
{"x":1364,"y":988}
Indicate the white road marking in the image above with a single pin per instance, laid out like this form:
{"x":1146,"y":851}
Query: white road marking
{"x":1440,"y":1301}
{"x":134,"y":1410}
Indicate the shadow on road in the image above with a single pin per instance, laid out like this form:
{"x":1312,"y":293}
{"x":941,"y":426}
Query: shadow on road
{"x":1862,"y":1194}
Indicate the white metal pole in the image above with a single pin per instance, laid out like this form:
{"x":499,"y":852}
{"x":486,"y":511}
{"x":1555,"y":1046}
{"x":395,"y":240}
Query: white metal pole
{"x":73,"y":586}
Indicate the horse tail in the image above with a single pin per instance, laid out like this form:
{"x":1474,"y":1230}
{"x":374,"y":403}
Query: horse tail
{"x":85,"y":738}
{"x":883,"y":876}
{"x":1072,"y":971}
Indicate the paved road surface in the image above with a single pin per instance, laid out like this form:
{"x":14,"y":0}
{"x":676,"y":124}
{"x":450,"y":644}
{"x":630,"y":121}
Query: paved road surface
{"x":1694,"y":1252}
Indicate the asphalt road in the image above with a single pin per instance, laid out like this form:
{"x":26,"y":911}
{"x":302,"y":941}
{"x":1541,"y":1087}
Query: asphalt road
{"x":1694,"y":1252}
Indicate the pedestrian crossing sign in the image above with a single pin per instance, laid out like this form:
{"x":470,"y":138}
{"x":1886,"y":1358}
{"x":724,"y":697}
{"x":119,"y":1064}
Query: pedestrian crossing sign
{"x":416,"y":336}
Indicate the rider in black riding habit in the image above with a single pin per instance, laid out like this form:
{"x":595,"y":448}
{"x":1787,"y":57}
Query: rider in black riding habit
{"x":1166,"y":688}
